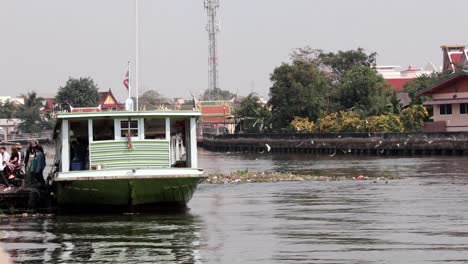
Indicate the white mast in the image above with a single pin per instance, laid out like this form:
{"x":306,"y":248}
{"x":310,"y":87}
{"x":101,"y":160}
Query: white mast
{"x":137,"y":36}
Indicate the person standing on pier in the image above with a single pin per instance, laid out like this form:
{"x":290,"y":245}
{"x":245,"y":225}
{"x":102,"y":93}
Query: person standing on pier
{"x":39,"y":165}
{"x":20,"y":153}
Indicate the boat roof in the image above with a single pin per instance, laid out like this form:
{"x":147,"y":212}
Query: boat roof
{"x":118,"y":114}
{"x":123,"y":114}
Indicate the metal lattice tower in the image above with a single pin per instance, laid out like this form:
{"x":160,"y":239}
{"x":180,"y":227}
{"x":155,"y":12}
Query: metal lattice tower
{"x":212,"y":27}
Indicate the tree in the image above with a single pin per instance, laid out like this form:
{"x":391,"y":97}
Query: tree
{"x":385,"y":123}
{"x":363,"y":89}
{"x":303,"y":125}
{"x":413,"y":118}
{"x":30,"y":114}
{"x":343,"y":61}
{"x":422,"y":82}
{"x":341,"y":122}
{"x":335,"y":65}
{"x":217,"y":94}
{"x":82,"y":92}
{"x":8,"y":109}
{"x":152,"y":100}
{"x":299,"y":89}
{"x":254,"y":116}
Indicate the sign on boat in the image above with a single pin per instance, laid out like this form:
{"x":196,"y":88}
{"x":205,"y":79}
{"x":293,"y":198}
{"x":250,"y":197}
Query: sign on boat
{"x":125,"y":158}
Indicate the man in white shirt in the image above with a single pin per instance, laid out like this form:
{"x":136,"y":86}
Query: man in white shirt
{"x":4,"y":158}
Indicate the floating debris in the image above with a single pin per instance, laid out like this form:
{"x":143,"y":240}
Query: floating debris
{"x":245,"y":176}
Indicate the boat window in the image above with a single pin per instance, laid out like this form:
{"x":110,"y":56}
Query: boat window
{"x":103,"y":129}
{"x":178,"y":143}
{"x":155,"y":128}
{"x":129,"y":126}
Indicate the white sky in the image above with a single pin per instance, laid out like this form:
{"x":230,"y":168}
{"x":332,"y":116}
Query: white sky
{"x":44,"y":42}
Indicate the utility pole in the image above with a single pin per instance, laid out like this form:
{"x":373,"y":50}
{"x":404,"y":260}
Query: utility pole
{"x":212,"y":27}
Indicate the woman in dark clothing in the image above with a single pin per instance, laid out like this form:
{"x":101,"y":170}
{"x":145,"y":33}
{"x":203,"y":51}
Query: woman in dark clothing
{"x":40,"y":165}
{"x":29,"y":153}
{"x":12,"y":163}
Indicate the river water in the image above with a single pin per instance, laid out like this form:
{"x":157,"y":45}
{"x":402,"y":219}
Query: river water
{"x":421,"y":218}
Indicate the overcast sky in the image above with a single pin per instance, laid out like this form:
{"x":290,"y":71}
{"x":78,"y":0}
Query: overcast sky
{"x":42,"y":43}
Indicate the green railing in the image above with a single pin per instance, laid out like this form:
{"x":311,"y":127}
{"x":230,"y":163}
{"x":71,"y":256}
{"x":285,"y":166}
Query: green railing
{"x":117,"y":155}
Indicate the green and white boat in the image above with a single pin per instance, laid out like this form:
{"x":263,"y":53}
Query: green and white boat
{"x":125,"y":158}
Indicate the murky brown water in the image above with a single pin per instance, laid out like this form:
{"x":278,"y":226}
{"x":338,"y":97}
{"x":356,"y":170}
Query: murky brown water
{"x":419,"y":219}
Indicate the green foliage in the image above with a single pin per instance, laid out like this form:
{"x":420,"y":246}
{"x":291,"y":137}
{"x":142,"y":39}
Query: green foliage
{"x":8,"y":109}
{"x":343,"y":61}
{"x":363,"y":89}
{"x":303,"y":125}
{"x":329,"y":123}
{"x":341,"y":122}
{"x":395,"y":104}
{"x":421,"y":83}
{"x":82,"y":92}
{"x":30,"y":114}
{"x":317,"y":83}
{"x":299,"y":89}
{"x":152,"y":100}
{"x":254,"y":115}
{"x":384,"y":123}
{"x":413,"y":118}
{"x":350,"y":122}
{"x":217,"y":94}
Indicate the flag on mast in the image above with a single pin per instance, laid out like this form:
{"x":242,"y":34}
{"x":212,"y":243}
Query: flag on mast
{"x":126,"y":82}
{"x":126,"y":79}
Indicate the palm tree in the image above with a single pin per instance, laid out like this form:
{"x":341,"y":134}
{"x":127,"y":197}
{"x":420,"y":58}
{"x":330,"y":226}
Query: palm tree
{"x":30,"y":113}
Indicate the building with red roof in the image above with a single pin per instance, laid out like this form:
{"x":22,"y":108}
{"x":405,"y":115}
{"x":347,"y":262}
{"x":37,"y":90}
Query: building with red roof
{"x":397,"y":79}
{"x":108,"y":102}
{"x":449,"y":99}
{"x":455,"y":57}
{"x":217,"y":117}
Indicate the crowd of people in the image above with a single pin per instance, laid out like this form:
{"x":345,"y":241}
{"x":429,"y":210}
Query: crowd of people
{"x":16,"y":162}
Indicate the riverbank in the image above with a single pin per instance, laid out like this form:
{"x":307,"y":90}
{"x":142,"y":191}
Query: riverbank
{"x":251,"y":177}
{"x":388,"y":144}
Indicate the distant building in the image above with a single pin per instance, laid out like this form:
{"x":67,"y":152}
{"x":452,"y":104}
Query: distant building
{"x":217,"y":117}
{"x":108,"y":102}
{"x":449,"y":100}
{"x":17,"y":100}
{"x":49,"y":105}
{"x":455,"y":57}
{"x":397,"y":79}
{"x":9,"y":126}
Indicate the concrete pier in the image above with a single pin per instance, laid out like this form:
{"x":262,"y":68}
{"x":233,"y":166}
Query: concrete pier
{"x":380,"y":144}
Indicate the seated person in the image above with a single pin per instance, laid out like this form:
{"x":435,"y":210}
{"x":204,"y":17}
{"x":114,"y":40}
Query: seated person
{"x":13,"y":162}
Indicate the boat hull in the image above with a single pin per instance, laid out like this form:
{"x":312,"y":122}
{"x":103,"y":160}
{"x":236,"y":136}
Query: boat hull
{"x":127,"y":192}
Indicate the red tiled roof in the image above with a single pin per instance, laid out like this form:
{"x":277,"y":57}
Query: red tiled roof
{"x":399,"y":83}
{"x":49,"y":104}
{"x":103,"y":97}
{"x":445,"y":83}
{"x":215,"y":110}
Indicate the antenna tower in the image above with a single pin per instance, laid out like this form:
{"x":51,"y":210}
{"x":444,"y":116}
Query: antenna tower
{"x":212,"y":27}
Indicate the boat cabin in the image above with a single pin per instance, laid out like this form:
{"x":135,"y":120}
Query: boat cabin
{"x":124,"y":140}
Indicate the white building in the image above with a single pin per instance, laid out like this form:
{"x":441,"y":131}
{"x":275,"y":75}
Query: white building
{"x":398,"y":78}
{"x":17,"y":100}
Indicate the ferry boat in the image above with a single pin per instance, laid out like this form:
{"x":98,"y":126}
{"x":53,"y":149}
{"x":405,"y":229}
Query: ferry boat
{"x":125,"y":158}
